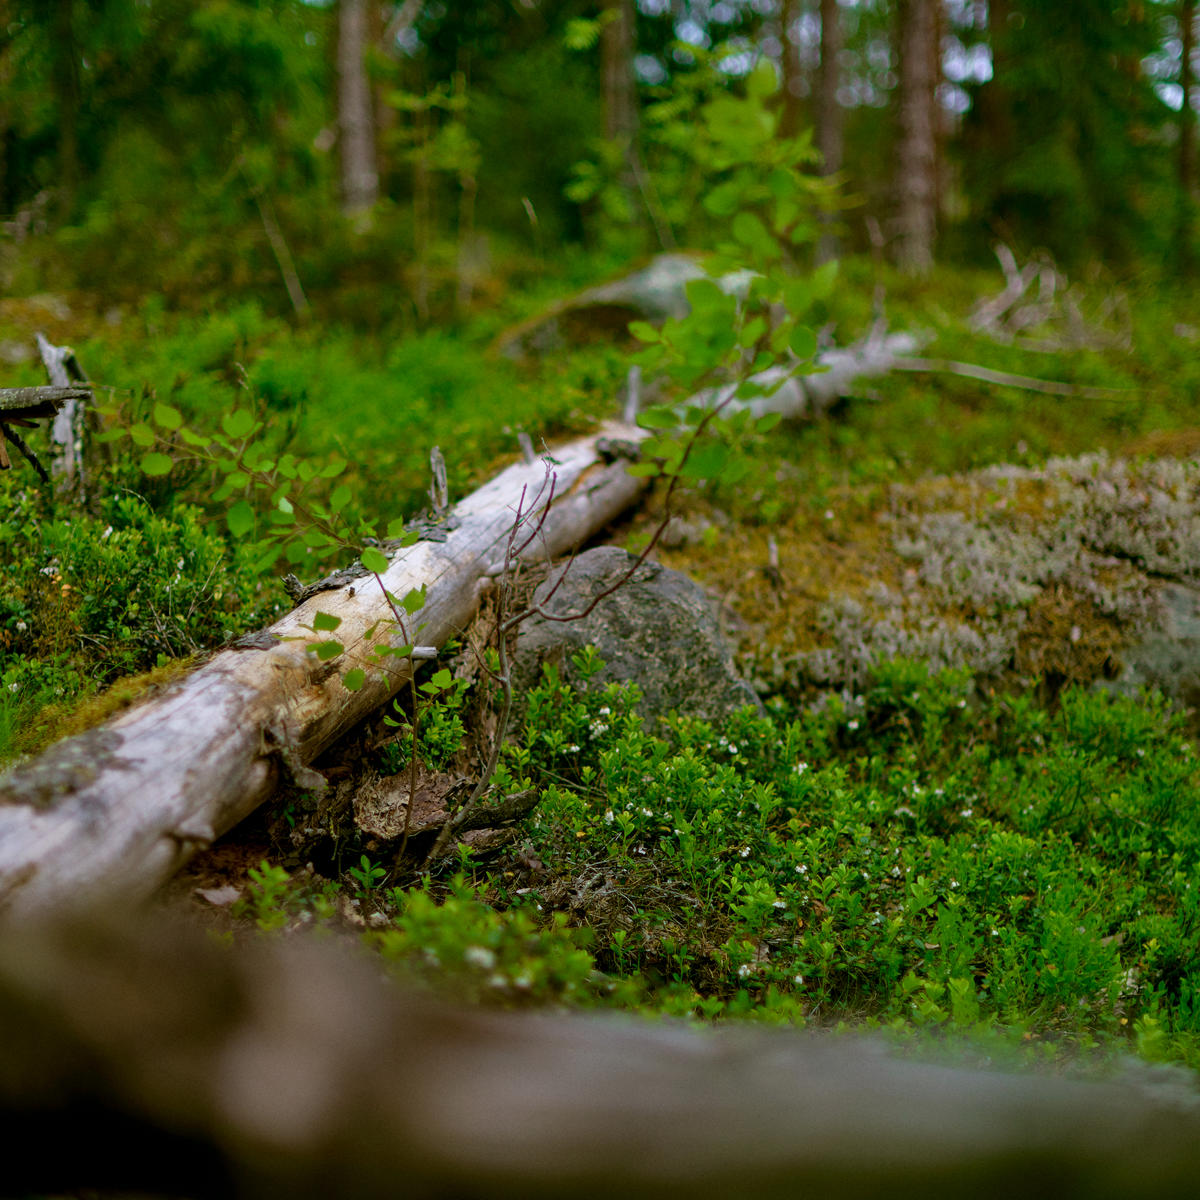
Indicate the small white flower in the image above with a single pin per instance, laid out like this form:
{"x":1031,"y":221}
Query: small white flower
{"x":953,"y":884}
{"x":801,"y":869}
{"x":497,"y":981}
{"x":798,"y":980}
{"x":968,"y":813}
{"x":608,"y":816}
{"x":961,"y":704}
{"x":829,"y":514}
{"x":732,"y":748}
{"x":523,"y":982}
{"x":606,"y":711}
{"x":852,"y":724}
{"x":800,"y":768}
{"x":744,"y":852}
{"x":21,"y":627}
{"x":480,"y":956}
{"x":744,"y":970}
{"x":896,"y":872}
{"x":647,"y":812}
{"x":779,"y":904}
{"x":572,"y":749}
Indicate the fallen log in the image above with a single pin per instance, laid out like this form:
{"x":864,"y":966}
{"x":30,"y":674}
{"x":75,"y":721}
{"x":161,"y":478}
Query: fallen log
{"x":114,"y":812}
{"x":290,"y":1069}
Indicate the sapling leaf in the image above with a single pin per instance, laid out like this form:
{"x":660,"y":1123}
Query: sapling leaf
{"x":767,"y":422}
{"x":240,"y":519}
{"x":803,"y":342}
{"x":374,"y":560}
{"x":324,"y":622}
{"x":644,"y":331}
{"x":238,"y":423}
{"x":331,"y":470}
{"x":326,"y":650}
{"x":658,"y":417}
{"x":354,"y":679}
{"x":156,"y":464}
{"x":395,"y":528}
{"x":167,"y":417}
{"x":141,"y":435}
{"x":644,"y":470}
{"x":340,"y":497}
{"x":414,"y":600}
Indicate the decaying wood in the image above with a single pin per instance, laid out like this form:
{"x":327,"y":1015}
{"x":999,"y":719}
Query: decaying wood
{"x":167,"y":1065}
{"x":35,"y":403}
{"x":117,"y":810}
{"x":69,"y":431}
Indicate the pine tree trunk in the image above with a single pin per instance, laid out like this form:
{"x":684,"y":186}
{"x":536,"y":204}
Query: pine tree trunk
{"x":829,"y":111}
{"x":791,"y":119}
{"x":916,"y":175}
{"x":620,"y":96}
{"x":356,"y":122}
{"x":1187,"y":137}
{"x":66,"y":88}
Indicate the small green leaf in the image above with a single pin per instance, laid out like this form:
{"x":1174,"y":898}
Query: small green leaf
{"x":766,"y":423}
{"x":414,"y":600}
{"x":156,"y":464}
{"x":374,"y":560}
{"x":325,"y":622}
{"x":284,"y":505}
{"x":237,"y":423}
{"x":240,"y":519}
{"x":658,"y":417}
{"x":142,"y":435}
{"x":326,"y":650}
{"x":395,"y":528}
{"x":803,"y":342}
{"x":353,"y":680}
{"x":442,"y":678}
{"x":167,"y":417}
{"x":340,"y":498}
{"x":644,"y":331}
{"x":644,"y":470}
{"x":333,"y":469}
{"x":195,"y":439}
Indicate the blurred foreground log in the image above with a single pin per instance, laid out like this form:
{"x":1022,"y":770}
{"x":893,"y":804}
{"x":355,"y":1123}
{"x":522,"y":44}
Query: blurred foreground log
{"x":165,"y":1064}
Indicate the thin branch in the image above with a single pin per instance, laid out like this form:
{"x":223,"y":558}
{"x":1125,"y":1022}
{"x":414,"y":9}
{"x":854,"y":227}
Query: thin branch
{"x":1005,"y":379}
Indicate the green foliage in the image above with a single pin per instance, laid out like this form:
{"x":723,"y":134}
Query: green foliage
{"x":936,"y":857}
{"x":507,"y":958}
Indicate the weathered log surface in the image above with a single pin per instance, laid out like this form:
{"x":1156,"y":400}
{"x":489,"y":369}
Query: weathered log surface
{"x":117,"y":810}
{"x":167,"y":1065}
{"x":33,"y":403}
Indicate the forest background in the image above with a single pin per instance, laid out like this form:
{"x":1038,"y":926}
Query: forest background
{"x":326,"y":215}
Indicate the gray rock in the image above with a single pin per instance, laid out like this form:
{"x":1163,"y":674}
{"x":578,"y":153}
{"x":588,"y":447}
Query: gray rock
{"x":1167,"y":654}
{"x":658,"y":631}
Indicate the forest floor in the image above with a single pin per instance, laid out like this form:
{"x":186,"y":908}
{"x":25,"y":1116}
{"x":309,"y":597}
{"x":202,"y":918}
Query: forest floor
{"x":931,"y":827}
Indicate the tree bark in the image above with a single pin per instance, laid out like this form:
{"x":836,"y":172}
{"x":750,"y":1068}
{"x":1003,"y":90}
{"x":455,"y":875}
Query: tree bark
{"x":620,"y":94}
{"x":829,"y":113}
{"x":1187,"y":137}
{"x":795,"y":87}
{"x":65,"y":74}
{"x":356,"y":121}
{"x":916,"y":174}
{"x":115,"y":811}
{"x":162,"y":1063}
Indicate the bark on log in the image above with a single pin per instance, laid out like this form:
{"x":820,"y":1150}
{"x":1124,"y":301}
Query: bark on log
{"x":292,"y":1070}
{"x":115,"y":811}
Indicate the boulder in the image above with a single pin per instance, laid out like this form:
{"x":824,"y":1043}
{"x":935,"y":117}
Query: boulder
{"x":658,"y":630}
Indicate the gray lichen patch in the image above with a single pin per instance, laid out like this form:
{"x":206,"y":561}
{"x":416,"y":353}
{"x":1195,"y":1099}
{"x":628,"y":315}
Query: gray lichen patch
{"x":1083,"y":570}
{"x":68,"y":768}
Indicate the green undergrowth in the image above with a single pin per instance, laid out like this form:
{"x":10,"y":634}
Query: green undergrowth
{"x":927,"y":859}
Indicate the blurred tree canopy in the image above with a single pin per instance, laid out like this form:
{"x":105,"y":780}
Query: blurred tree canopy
{"x":186,"y":147}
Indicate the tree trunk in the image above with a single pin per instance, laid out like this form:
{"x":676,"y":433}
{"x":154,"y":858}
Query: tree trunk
{"x":65,"y":73}
{"x":795,"y":86}
{"x":164,"y":1064}
{"x":829,"y":113}
{"x":1187,"y":137}
{"x":620,"y":94}
{"x":916,"y":175}
{"x":115,"y":811}
{"x":356,"y":121}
